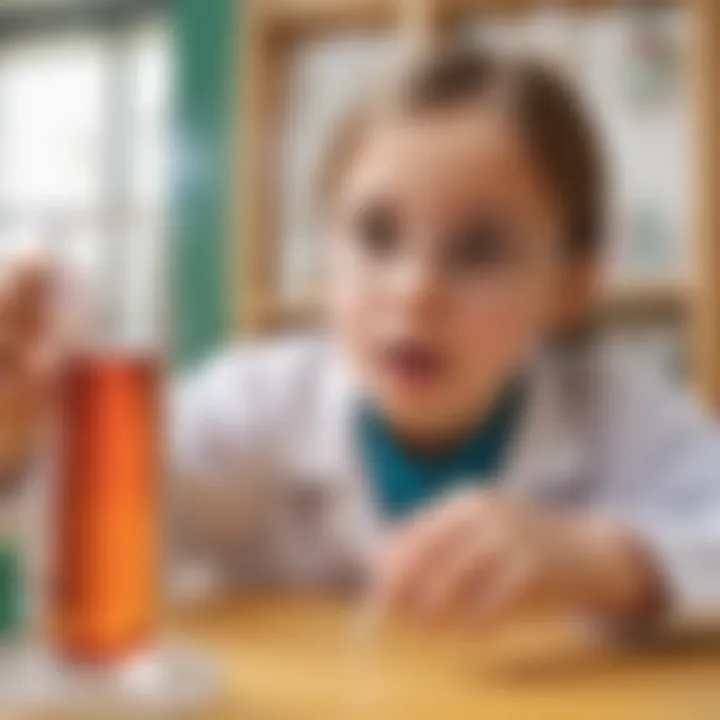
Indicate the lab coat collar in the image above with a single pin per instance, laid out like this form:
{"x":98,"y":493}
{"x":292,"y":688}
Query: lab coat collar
{"x":549,"y":455}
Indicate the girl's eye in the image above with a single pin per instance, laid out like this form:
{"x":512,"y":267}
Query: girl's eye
{"x":377,"y":228}
{"x":484,"y":245}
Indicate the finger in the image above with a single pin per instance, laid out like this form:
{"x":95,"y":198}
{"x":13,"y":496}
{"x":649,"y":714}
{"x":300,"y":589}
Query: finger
{"x":19,"y":405}
{"x":19,"y":377}
{"x":25,"y":297}
{"x":11,"y":355}
{"x":420,"y":547}
{"x":508,"y":596}
{"x":465,"y":572}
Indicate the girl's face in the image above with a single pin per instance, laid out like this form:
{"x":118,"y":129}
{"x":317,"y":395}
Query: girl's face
{"x":446,"y":265}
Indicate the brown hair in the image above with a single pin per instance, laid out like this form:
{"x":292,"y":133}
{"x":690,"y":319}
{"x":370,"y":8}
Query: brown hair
{"x":545,"y":106}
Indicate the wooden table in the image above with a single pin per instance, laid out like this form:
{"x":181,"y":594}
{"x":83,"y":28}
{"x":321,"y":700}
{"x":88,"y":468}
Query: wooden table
{"x":303,"y":658}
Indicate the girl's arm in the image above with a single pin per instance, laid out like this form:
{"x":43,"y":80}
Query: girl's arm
{"x":675,"y":511}
{"x":661,"y":479}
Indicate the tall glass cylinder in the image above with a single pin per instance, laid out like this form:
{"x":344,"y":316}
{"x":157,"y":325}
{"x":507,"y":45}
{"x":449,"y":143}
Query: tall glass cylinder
{"x":105,"y":590}
{"x":105,"y":604}
{"x":107,"y":568}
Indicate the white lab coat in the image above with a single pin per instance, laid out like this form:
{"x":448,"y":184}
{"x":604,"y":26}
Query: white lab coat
{"x":270,"y":486}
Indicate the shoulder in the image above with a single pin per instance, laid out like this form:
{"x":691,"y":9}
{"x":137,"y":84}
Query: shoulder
{"x":637,"y":420}
{"x":279,"y":377}
{"x":640,"y":398}
{"x":612,"y":385}
{"x":277,"y":365}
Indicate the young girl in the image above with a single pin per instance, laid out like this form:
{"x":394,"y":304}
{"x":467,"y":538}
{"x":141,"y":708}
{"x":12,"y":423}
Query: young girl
{"x":448,"y":438}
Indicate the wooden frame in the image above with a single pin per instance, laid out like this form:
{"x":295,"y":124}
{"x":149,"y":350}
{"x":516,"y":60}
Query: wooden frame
{"x":273,"y":26}
{"x":705,"y":298}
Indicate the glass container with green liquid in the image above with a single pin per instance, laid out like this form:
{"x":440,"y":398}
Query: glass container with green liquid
{"x":13,"y":593}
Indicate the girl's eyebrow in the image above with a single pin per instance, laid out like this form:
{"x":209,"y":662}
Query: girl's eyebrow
{"x":356,"y":203}
{"x":496,"y":220}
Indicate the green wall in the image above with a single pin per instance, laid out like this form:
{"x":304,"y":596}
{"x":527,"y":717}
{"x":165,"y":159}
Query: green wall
{"x":206,"y":83}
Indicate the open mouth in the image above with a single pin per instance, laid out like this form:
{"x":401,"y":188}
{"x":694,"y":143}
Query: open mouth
{"x":413,"y":362}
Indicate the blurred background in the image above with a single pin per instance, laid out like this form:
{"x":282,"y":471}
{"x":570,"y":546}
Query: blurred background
{"x":197,"y":127}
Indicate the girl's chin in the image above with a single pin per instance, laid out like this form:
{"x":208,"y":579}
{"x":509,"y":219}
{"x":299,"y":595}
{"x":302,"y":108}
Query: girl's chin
{"x":411,"y":407}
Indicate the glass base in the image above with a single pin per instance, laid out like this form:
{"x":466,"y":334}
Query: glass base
{"x":168,"y":682}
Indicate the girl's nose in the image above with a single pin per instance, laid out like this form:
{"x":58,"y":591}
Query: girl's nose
{"x":415,"y":284}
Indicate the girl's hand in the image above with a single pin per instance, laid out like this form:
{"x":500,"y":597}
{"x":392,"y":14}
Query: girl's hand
{"x":27,"y":339}
{"x":480,"y":560}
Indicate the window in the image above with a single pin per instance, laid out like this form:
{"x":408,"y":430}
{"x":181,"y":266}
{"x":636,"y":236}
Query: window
{"x":84,"y":120}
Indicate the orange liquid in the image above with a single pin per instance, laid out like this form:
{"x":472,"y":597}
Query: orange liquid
{"x":105,"y":604}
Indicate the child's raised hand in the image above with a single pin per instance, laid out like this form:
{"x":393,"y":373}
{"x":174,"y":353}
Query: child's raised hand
{"x":480,"y":560}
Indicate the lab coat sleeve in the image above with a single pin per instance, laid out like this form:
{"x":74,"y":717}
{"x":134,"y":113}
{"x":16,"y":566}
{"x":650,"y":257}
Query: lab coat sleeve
{"x":681,"y":523}
{"x":665,"y":481}
{"x":219,"y":476}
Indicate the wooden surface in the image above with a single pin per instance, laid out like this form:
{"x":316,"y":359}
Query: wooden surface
{"x":306,"y":658}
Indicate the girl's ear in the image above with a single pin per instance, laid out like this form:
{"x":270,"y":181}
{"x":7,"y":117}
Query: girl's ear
{"x":579,"y":290}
